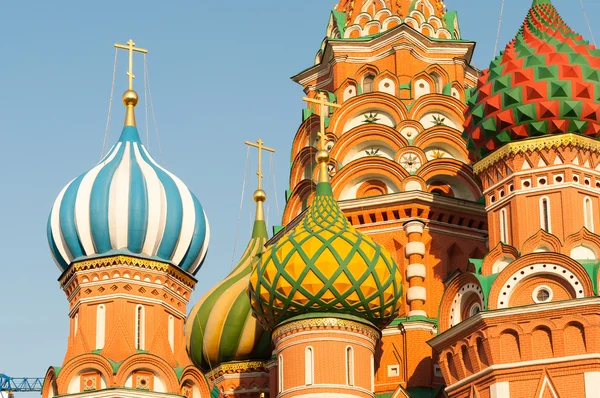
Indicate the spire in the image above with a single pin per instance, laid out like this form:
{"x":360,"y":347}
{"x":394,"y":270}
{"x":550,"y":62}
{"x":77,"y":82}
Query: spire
{"x":260,"y":227}
{"x":130,"y":97}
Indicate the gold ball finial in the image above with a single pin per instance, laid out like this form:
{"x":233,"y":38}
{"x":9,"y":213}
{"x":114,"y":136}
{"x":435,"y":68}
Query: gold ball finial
{"x":130,"y":97}
{"x":322,"y":156}
{"x":260,"y":195}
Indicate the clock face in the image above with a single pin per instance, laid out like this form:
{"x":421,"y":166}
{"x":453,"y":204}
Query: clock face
{"x":410,"y":162}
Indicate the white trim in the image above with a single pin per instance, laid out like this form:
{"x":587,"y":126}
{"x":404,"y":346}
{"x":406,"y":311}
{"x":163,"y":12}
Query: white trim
{"x":281,"y":346}
{"x":592,"y":384}
{"x":414,"y":248}
{"x":550,"y":388}
{"x":75,"y":323}
{"x":504,"y":227}
{"x":309,"y":366}
{"x":537,"y":290}
{"x":516,"y":365}
{"x":112,"y":297}
{"x":415,"y":293}
{"x":171,"y":332}
{"x":100,"y":326}
{"x":500,"y":390}
{"x":326,"y":394}
{"x":280,"y":374}
{"x":349,"y":365}
{"x":372,"y":373}
{"x":122,"y":392}
{"x":416,"y":270}
{"x":588,"y":213}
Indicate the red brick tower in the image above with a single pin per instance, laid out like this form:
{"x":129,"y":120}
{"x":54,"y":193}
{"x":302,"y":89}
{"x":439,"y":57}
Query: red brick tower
{"x":524,"y":321}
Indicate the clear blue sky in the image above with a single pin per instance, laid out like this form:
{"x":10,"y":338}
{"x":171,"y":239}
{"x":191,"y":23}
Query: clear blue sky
{"x":219,"y":73}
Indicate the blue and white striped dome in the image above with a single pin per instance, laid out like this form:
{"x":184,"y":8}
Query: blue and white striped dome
{"x":128,"y":204}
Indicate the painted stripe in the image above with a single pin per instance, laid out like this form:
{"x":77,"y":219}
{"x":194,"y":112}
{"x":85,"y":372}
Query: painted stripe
{"x":174,"y":209}
{"x":198,"y":237}
{"x":99,"y":202}
{"x":138,"y":208}
{"x":118,"y":204}
{"x":57,"y":237}
{"x":203,"y":251}
{"x":157,"y":204}
{"x":217,"y":317}
{"x":58,"y":258}
{"x":82,"y":203}
{"x":239,"y":334}
{"x":67,"y":219}
{"x":189,"y":221}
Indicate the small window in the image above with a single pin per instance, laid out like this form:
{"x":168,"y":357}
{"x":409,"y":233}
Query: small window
{"x":309,"y":366}
{"x":140,"y":323}
{"x":368,"y":84}
{"x":349,"y":366}
{"x":545,"y":214}
{"x":437,"y":79}
{"x":474,"y":310}
{"x":100,"y":326}
{"x":503,"y":227}
{"x":280,"y":373}
{"x":542,"y":294}
{"x":588,"y":214}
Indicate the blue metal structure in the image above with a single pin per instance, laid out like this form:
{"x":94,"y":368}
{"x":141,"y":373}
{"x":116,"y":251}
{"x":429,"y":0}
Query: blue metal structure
{"x":20,"y":384}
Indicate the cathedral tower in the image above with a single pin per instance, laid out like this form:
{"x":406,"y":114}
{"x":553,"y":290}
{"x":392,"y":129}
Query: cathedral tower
{"x":524,"y":321}
{"x":128,"y":236}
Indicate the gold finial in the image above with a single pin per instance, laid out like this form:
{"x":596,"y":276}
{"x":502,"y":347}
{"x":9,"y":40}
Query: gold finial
{"x":322,"y":155}
{"x":130,"y":98}
{"x":260,"y":195}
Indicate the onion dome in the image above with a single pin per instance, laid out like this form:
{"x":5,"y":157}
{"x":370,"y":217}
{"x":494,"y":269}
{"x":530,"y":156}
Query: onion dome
{"x":128,"y":204}
{"x":324,"y":267}
{"x":545,"y":82}
{"x":220,"y":327}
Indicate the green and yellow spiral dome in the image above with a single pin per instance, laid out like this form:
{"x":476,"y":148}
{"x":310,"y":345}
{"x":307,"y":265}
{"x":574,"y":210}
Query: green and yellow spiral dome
{"x":324,"y":266}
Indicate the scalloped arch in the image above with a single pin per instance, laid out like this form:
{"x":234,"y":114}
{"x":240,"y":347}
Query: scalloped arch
{"x":452,"y":168}
{"x":367,"y":167}
{"x":81,"y":362}
{"x":452,"y":289}
{"x":150,"y":362}
{"x":542,"y":238}
{"x":301,"y":193}
{"x":367,"y":132}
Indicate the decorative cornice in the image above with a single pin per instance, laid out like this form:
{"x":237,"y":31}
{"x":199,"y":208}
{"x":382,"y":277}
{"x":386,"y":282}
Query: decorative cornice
{"x":117,"y":260}
{"x":237,"y":367}
{"x":325,"y":323}
{"x":536,"y":144}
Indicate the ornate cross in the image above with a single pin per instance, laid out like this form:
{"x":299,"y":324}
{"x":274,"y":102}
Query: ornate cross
{"x":131,"y":48}
{"x":260,"y":146}
{"x":322,"y":101}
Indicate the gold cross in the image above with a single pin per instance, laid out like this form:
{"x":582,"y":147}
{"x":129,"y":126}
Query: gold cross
{"x":260,"y":145}
{"x":131,"y":48}
{"x":324,"y":103}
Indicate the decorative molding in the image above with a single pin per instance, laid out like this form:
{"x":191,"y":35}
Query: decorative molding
{"x":536,"y":144}
{"x":325,"y":323}
{"x":237,"y":367}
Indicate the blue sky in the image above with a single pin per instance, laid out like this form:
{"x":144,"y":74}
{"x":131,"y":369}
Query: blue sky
{"x":219,"y":73}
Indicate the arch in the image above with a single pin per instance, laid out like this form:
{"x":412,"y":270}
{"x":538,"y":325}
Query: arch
{"x":386,"y":77}
{"x":574,"y":333}
{"x":582,"y":238}
{"x":364,"y":169}
{"x":452,"y":299}
{"x":534,"y":264}
{"x":458,"y":175}
{"x":545,"y":214}
{"x":510,"y":348}
{"x":457,"y":91}
{"x":348,"y":89}
{"x":542,"y":347}
{"x":371,"y":188}
{"x":451,"y":366}
{"x":299,"y":200}
{"x":363,"y":103}
{"x":438,"y":83}
{"x":365,"y":133}
{"x":504,"y":226}
{"x":193,"y":375}
{"x":588,"y":213}
{"x":445,"y":138}
{"x":542,"y":238}
{"x":482,"y":352}
{"x":464,"y":353}
{"x":368,"y":84}
{"x":152,"y":363}
{"x":492,"y":261}
{"x":300,"y":166}
{"x":79,"y":364}
{"x":438,"y":103}
{"x":49,"y":387}
{"x":422,"y":84}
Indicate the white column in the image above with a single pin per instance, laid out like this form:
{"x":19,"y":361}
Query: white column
{"x":592,"y":385}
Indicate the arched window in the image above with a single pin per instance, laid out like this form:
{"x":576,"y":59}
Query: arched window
{"x":368,"y":84}
{"x":171,"y":332}
{"x":140,"y":323}
{"x":437,"y":79}
{"x":349,"y":366}
{"x":280,"y":373}
{"x":588,"y":213}
{"x":503,"y":227}
{"x":309,"y":366}
{"x":100,"y":326}
{"x":75,"y":324}
{"x":545,"y":221}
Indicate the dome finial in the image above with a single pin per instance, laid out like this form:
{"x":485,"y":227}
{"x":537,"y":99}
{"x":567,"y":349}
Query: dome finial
{"x":322,"y":155}
{"x":130,"y":97}
{"x":259,"y":196}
